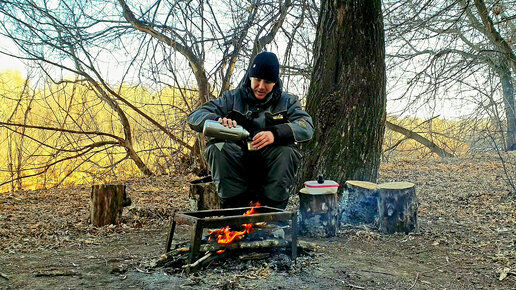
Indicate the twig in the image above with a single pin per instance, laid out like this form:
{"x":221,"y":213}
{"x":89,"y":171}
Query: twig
{"x":376,"y":272}
{"x":57,"y":274}
{"x":352,"y":286}
{"x":415,"y":281}
{"x":436,"y":268}
{"x":196,"y":263}
{"x":4,"y":276}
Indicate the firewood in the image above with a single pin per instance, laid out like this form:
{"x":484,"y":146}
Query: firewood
{"x":303,"y":245}
{"x":254,"y":256}
{"x":56,"y":274}
{"x":196,"y":263}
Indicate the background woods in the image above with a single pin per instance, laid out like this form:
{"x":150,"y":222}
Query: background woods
{"x":115,"y":80}
{"x":109,"y":84}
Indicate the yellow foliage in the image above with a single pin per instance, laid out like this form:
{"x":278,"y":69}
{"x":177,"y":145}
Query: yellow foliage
{"x":74,"y":105}
{"x":450,"y":135}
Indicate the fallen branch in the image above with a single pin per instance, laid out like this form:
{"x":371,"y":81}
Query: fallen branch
{"x":419,"y":138}
{"x":196,"y":263}
{"x":254,"y":256}
{"x":56,"y":274}
{"x":4,"y":276}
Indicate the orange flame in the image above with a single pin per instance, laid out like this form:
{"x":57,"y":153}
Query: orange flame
{"x":226,"y":236}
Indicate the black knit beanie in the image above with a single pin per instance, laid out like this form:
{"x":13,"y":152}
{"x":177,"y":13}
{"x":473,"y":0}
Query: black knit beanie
{"x":266,"y":67}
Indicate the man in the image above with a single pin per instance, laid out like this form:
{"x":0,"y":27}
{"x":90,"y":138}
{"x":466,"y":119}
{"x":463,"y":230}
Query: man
{"x":263,"y":168}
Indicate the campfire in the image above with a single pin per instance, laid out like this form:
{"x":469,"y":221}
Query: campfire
{"x":226,"y":236}
{"x":215,"y":231}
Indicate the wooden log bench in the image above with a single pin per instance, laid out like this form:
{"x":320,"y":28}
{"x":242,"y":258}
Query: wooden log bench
{"x":389,"y":207}
{"x":106,"y":203}
{"x":203,"y":194}
{"x":358,"y":203}
{"x":318,"y":214}
{"x":397,"y":207}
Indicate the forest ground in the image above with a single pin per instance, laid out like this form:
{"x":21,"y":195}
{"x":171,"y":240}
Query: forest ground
{"x":466,"y":240}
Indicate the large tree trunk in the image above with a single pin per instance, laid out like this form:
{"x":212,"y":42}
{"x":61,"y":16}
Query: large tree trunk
{"x":347,"y":92}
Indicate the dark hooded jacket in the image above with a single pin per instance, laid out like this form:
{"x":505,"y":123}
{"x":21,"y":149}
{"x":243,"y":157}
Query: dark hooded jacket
{"x":278,"y":112}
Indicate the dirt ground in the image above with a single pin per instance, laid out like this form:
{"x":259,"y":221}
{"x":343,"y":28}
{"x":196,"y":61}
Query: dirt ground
{"x":466,"y":240}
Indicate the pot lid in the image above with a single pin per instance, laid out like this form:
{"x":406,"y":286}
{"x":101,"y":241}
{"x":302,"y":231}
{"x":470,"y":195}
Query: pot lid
{"x":325,"y":184}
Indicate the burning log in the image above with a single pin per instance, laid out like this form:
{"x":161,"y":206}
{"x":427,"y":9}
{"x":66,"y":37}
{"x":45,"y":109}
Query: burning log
{"x":178,"y":257}
{"x":226,"y":236}
{"x":253,"y":245}
{"x":397,"y":207}
{"x":232,"y":218}
{"x":358,"y":203}
{"x":203,"y":194}
{"x":107,"y":202}
{"x":318,"y":214}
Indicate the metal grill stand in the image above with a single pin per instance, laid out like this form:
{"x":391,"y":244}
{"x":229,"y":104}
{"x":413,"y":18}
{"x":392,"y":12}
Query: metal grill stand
{"x":211,"y":219}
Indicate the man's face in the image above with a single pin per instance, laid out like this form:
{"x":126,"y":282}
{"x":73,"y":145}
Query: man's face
{"x":261,"y":87}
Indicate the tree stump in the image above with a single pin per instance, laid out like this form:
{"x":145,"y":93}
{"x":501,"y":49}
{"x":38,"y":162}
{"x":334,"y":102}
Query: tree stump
{"x":358,"y":203}
{"x":397,"y":207}
{"x":203,"y":194}
{"x":318,"y":214}
{"x":107,"y":202}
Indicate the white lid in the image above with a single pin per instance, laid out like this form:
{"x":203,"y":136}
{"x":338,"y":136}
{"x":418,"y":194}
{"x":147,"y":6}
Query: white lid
{"x":325,"y":184}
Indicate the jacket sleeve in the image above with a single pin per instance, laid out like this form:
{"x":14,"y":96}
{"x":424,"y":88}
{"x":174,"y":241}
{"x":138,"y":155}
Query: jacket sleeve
{"x":299,"y":127}
{"x":211,"y":110}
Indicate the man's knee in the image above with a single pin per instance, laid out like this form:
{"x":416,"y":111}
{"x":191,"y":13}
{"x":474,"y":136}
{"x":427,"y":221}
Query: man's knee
{"x":282,"y":166}
{"x":225,"y":163}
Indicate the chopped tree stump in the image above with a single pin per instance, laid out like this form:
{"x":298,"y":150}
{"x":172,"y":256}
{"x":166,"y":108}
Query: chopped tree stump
{"x":318,"y":214}
{"x":397,"y":207}
{"x":358,"y":203}
{"x":203,"y":194}
{"x":107,"y":202}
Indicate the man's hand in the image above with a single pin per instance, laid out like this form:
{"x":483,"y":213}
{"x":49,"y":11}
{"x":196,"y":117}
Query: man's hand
{"x":227,"y":122}
{"x":263,"y":139}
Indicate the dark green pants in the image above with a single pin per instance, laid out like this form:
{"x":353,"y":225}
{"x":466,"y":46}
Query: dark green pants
{"x":243,"y":176}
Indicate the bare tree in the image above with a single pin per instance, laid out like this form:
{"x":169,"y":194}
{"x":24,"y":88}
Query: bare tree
{"x":80,"y":44}
{"x":192,"y":28}
{"x":56,"y":37}
{"x":442,"y":51}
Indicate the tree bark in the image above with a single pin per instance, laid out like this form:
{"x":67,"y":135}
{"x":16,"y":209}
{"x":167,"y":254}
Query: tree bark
{"x":107,"y":202}
{"x":203,"y":194}
{"x":347,"y":95}
{"x":397,"y":207}
{"x":508,"y":100}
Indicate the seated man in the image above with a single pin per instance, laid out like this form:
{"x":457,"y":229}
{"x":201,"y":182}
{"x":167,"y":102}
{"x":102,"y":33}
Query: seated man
{"x":260,"y":169}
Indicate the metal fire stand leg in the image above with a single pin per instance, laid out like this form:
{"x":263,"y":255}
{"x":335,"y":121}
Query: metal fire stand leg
{"x":195,"y":242}
{"x":293,"y":228}
{"x":170,"y":234}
